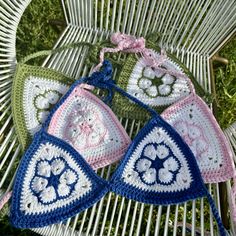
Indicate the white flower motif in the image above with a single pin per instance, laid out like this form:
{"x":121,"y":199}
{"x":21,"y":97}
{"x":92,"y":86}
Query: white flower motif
{"x":42,"y":102}
{"x":53,"y":180}
{"x":150,"y":176}
{"x":157,"y":165}
{"x":68,"y":177}
{"x":155,"y":82}
{"x":48,"y":195}
{"x":52,"y":97}
{"x":193,"y":136}
{"x":162,"y":151}
{"x":143,"y":165}
{"x":63,"y":190}
{"x":149,"y":72}
{"x":43,"y":115}
{"x":38,"y":184}
{"x":85,"y":129}
{"x":164,"y":89}
{"x":145,"y":83}
{"x":57,"y":166}
{"x":44,"y":168}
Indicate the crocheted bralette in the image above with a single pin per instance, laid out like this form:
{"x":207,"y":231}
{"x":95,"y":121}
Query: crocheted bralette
{"x":152,"y":76}
{"x":54,"y":182}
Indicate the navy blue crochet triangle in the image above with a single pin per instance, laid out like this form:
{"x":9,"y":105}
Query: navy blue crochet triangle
{"x":159,"y":168}
{"x":53,"y":183}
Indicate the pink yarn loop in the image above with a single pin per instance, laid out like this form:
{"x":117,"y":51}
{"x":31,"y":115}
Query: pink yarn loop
{"x":131,"y":44}
{"x":233,"y":196}
{"x":5,"y":199}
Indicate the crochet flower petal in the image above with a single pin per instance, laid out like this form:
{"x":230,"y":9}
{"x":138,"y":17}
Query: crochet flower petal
{"x":164,"y":89}
{"x":76,"y":119}
{"x":42,"y":116}
{"x":162,"y":151}
{"x":144,"y":83}
{"x":143,"y":165}
{"x":52,"y":97}
{"x":38,"y":184}
{"x":165,"y":176}
{"x":150,"y":176}
{"x":48,"y":195}
{"x":57,"y":166}
{"x":171,"y":164}
{"x":99,"y":128}
{"x":90,"y":117}
{"x":63,"y":190}
{"x":150,"y":151}
{"x":41,"y":102}
{"x":167,"y":79}
{"x":149,"y":73}
{"x":68,"y":177}
{"x":80,"y":141}
{"x":152,"y":91}
{"x":158,"y":73}
{"x":73,"y":132}
{"x":94,"y":139}
{"x":44,"y":168}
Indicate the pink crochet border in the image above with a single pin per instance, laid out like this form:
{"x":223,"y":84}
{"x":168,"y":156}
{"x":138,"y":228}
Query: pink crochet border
{"x":227,"y":170}
{"x":108,"y":158}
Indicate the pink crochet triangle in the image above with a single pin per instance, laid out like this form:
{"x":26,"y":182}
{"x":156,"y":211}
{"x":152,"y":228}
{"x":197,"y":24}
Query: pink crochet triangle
{"x":90,"y":126}
{"x":195,"y":122}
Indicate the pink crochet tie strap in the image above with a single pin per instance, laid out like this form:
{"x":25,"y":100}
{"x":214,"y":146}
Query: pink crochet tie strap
{"x":131,"y":44}
{"x":5,"y":199}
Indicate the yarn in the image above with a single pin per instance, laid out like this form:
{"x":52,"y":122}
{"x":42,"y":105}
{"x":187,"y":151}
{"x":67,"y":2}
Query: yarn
{"x":158,"y":168}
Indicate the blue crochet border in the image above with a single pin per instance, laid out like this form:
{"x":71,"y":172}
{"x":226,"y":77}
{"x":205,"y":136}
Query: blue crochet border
{"x":99,"y":188}
{"x":196,"y":190}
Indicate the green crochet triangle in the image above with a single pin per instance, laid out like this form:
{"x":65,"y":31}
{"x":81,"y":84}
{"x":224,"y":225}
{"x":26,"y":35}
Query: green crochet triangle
{"x":35,"y":91}
{"x":156,"y":89}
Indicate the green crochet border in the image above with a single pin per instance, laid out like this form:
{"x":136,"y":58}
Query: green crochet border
{"x":124,"y":108}
{"x":23,"y":71}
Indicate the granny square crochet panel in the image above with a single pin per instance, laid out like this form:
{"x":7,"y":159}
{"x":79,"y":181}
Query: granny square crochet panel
{"x":53,"y":183}
{"x":150,"y":85}
{"x":194,"y":121}
{"x":35,"y":91}
{"x":157,"y":166}
{"x":89,"y":125}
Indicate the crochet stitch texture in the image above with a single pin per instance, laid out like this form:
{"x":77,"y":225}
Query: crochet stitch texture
{"x":35,"y":91}
{"x":158,"y":168}
{"x":151,"y":86}
{"x":90,"y":126}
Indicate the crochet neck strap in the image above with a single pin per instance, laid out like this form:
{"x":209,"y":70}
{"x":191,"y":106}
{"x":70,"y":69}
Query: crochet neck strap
{"x":53,"y":51}
{"x":130,"y":44}
{"x":103,"y":79}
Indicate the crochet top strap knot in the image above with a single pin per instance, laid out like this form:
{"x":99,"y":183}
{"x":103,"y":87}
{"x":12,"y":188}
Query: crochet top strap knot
{"x":103,"y":79}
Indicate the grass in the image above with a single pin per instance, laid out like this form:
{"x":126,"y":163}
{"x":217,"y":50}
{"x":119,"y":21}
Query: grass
{"x":35,"y":33}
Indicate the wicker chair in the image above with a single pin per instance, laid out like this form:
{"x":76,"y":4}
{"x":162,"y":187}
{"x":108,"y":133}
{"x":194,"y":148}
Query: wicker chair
{"x":192,"y":30}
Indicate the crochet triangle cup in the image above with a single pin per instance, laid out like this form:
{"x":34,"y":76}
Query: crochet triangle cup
{"x":194,"y":121}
